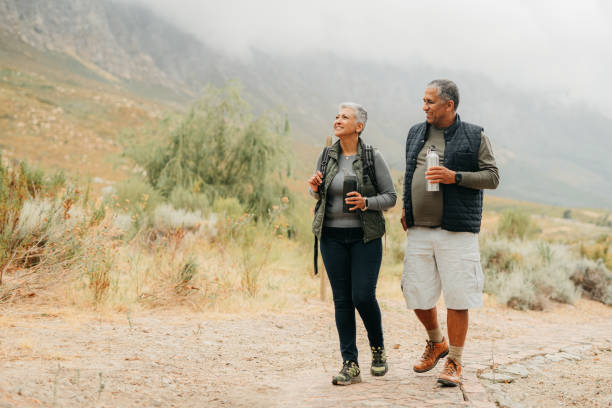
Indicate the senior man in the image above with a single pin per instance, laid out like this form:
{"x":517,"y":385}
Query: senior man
{"x":442,"y":226}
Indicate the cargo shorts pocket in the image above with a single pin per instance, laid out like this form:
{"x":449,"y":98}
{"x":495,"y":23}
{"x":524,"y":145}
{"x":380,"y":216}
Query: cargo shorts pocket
{"x":474,"y":271}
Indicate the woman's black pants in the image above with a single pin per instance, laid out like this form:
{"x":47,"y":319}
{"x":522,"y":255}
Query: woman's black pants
{"x":353,"y":267}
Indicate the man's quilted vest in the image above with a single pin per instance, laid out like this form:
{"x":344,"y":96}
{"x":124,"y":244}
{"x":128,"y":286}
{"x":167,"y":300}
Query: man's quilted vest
{"x":462,"y":206}
{"x":372,"y":222}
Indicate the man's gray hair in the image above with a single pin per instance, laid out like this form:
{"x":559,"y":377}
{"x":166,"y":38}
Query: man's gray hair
{"x":361,"y":115}
{"x":447,"y":90}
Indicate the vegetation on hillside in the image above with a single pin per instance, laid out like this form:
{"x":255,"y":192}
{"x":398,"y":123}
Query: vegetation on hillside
{"x":219,"y":151}
{"x":208,"y":220}
{"x":211,"y":215}
{"x":525,"y":271}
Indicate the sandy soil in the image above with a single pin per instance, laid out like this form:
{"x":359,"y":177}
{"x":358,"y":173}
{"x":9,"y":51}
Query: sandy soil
{"x":53,"y":356}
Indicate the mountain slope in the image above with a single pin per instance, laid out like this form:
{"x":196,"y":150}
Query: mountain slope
{"x":547,"y":151}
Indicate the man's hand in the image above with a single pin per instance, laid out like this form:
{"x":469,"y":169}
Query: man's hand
{"x":404,"y":226}
{"x":355,"y":199}
{"x":439,"y":174}
{"x":315,"y":181}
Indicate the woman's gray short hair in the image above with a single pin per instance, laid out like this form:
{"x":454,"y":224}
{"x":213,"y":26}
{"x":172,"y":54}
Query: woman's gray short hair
{"x":447,"y":90}
{"x":361,"y":115}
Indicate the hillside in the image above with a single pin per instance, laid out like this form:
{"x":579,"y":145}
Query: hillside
{"x":548,"y":152}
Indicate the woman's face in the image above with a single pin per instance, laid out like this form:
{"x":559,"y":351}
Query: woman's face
{"x":346,"y":123}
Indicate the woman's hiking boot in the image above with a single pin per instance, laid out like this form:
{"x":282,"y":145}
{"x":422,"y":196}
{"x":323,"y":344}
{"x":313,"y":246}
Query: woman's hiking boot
{"x":350,"y":374}
{"x":379,"y":362}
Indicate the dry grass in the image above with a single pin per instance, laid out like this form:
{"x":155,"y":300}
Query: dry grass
{"x":61,"y":120}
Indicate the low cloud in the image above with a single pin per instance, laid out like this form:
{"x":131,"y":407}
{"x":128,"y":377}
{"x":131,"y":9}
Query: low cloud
{"x":557,"y":48}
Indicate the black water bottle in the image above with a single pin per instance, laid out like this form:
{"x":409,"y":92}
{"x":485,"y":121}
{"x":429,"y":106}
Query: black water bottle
{"x":350,"y":184}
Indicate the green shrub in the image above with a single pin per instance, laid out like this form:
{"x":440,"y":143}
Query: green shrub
{"x":136,"y":196}
{"x":182,"y":198}
{"x":528,"y":274}
{"x":221,"y":150}
{"x":29,"y":224}
{"x":595,"y":279}
{"x":166,"y":218}
{"x":516,"y":223}
{"x":228,"y":207}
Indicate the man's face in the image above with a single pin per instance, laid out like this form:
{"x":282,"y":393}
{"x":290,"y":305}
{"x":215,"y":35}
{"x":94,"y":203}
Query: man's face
{"x":437,"y":110}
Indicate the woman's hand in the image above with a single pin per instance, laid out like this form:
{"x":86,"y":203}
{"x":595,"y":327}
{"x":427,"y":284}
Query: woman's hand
{"x":355,"y":199}
{"x":315,"y":181}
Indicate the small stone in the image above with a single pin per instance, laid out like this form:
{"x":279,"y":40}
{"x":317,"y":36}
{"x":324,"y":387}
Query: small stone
{"x":476,"y":366}
{"x":534,"y":368}
{"x":515,"y":369}
{"x":498,"y":377}
{"x":555,"y":357}
{"x":569,"y":356}
{"x":537,"y":360}
{"x":505,"y":402}
{"x":577,"y":349}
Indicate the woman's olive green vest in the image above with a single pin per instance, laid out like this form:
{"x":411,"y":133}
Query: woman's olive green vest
{"x":372,"y":222}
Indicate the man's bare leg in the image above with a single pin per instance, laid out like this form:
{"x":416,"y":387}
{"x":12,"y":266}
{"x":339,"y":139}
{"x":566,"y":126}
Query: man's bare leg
{"x":437,"y":347}
{"x":428,"y":317}
{"x":457,"y":322}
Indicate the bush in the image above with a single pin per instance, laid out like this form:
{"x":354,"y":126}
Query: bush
{"x":180,"y":197}
{"x":598,"y":250}
{"x":228,"y":207}
{"x":30,"y":225}
{"x":516,"y":223}
{"x":595,"y":279}
{"x":528,"y":274}
{"x":135,"y":196}
{"x":167,"y":218}
{"x":220,"y":150}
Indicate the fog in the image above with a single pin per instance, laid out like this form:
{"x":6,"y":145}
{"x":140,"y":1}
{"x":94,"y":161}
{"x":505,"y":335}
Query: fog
{"x":558,"y":49}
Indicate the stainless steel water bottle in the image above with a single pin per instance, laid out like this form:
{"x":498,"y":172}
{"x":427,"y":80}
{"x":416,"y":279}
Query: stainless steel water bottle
{"x":432,"y":159}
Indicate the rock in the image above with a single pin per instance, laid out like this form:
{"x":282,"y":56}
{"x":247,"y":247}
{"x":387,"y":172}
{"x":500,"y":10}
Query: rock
{"x":537,"y":360}
{"x":515,"y":369}
{"x":569,"y":356}
{"x":505,"y":402}
{"x":498,"y":377}
{"x":577,"y":349}
{"x":533,"y":368}
{"x":555,"y":357}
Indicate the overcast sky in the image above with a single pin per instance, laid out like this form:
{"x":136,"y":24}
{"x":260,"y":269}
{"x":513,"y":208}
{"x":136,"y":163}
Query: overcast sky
{"x":562,"y":48}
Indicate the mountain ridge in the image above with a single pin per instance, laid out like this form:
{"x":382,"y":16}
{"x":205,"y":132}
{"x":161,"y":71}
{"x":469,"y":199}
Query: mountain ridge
{"x":547,"y":152}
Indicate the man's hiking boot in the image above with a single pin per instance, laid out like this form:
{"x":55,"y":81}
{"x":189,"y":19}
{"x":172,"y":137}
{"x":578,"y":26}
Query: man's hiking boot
{"x":348,"y":375}
{"x":451,"y":374}
{"x":379,"y":361}
{"x":433,"y":352}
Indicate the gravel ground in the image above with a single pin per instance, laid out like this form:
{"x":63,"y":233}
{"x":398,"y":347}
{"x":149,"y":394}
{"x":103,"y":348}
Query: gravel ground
{"x":569,"y":383}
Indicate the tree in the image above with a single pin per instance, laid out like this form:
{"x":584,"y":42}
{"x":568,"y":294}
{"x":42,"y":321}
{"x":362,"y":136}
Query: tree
{"x":221,"y":150}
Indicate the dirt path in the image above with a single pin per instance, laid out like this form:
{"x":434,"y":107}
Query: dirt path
{"x":180,"y":358}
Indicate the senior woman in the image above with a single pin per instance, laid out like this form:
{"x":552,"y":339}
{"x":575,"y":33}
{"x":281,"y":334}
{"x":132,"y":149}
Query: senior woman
{"x":350,"y":228}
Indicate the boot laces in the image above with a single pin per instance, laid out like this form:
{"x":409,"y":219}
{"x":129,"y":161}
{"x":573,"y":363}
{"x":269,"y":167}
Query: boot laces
{"x":348,"y":369}
{"x":378,"y":354}
{"x":429,"y":349}
{"x":450,"y":367}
